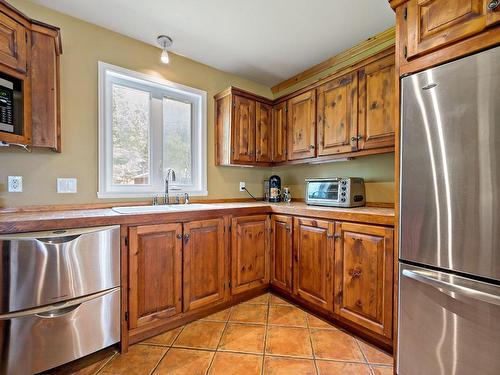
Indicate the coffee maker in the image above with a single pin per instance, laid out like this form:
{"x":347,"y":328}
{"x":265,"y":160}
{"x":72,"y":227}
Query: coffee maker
{"x":272,"y":189}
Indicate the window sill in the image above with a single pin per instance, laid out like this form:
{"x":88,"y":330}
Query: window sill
{"x":111,"y":195}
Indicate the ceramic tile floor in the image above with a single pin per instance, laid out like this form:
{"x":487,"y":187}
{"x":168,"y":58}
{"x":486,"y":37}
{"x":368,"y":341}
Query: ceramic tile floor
{"x":265,"y":335}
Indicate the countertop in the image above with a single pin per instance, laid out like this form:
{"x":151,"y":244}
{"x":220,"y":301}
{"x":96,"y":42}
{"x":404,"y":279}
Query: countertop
{"x":47,"y":220}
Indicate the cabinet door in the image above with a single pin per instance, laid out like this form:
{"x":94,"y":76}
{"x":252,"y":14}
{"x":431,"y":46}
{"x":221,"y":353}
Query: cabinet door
{"x":281,"y":252}
{"x":337,"y":114}
{"x":263,"y":137}
{"x":376,"y":104}
{"x":13,"y":43}
{"x":301,"y":126}
{"x":279,"y":132}
{"x":249,"y":252}
{"x":45,"y":92}
{"x":155,"y":273}
{"x":364,"y":276}
{"x":436,"y":23}
{"x":204,"y":263}
{"x":243,"y":129}
{"x":313,"y":244}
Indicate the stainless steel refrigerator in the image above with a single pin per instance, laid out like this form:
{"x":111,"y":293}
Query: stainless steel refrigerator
{"x":449,"y":270}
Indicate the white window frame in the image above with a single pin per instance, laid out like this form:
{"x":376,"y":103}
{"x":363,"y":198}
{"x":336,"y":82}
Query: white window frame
{"x":110,"y":74}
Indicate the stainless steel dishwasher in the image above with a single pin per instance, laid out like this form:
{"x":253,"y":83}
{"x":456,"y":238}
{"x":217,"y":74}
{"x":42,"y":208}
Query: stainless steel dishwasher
{"x":59,"y":297}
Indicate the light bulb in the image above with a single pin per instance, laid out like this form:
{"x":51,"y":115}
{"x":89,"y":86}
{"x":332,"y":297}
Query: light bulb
{"x":164,"y":57}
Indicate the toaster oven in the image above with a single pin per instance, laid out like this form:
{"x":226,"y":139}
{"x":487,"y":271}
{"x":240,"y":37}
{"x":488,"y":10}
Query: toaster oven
{"x":335,"y":192}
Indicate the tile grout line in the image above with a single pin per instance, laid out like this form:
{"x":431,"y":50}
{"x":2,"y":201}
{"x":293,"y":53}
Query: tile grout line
{"x":161,"y":359}
{"x":310,"y":341}
{"x":220,"y":340}
{"x":265,"y":333}
{"x":363,"y":354}
{"x":106,"y":363}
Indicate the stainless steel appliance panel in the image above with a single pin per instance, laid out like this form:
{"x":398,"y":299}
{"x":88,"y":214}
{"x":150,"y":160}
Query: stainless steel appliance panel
{"x":35,"y":341}
{"x":447,"y":324}
{"x":47,"y":267}
{"x":335,"y":192}
{"x":450,"y":166}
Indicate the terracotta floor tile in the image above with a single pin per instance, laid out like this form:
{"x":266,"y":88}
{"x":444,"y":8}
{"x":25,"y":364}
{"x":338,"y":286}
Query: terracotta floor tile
{"x":243,"y":338}
{"x":185,"y":362}
{"x":288,"y":366}
{"x":288,"y":341}
{"x":382,"y":370}
{"x":249,"y":313}
{"x":88,"y":365}
{"x":375,"y":355}
{"x":200,"y":334}
{"x":235,"y":363}
{"x":221,"y":316}
{"x":166,"y":338}
{"x":342,"y":368}
{"x":139,"y":360}
{"x":315,"y":322}
{"x":334,"y":344}
{"x":260,"y":300}
{"x":287,"y":316}
{"x":275,"y":300}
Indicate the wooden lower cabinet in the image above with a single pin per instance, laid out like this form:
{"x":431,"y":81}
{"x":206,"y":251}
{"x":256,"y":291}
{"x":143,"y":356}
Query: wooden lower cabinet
{"x":155,"y":273}
{"x":204,"y":263}
{"x":364,"y":276}
{"x":249,"y":253}
{"x":313,"y":261}
{"x":281,"y":252}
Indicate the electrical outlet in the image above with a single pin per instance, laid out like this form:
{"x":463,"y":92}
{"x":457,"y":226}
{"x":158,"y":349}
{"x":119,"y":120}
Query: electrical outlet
{"x":15,"y":184}
{"x":242,"y":186}
{"x":66,"y":185}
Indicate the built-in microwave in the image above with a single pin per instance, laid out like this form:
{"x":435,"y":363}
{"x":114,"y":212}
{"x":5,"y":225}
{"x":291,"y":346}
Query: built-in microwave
{"x":336,"y":191}
{"x":6,"y":106}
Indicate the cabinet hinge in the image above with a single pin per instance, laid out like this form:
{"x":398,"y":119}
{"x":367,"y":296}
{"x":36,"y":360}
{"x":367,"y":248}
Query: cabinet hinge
{"x":230,"y":285}
{"x":230,"y":227}
{"x":405,"y":52}
{"x":405,"y":13}
{"x":126,"y":316}
{"x":126,"y":241}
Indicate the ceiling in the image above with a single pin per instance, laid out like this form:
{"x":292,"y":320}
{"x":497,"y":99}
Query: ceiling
{"x":266,"y":41}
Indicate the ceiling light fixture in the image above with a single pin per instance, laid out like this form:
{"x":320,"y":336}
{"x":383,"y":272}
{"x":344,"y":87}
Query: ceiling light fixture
{"x":165,"y":42}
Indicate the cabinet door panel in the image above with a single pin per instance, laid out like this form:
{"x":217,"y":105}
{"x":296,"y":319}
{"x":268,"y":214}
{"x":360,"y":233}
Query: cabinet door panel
{"x":376,"y":104}
{"x":337,"y":109}
{"x":244,"y":129}
{"x":155,"y":273}
{"x":435,"y":23}
{"x":364,"y":276}
{"x":249,"y":252}
{"x":204,"y":263}
{"x":263,"y":136}
{"x":12,"y":43}
{"x":279,"y":132}
{"x":313,"y":261}
{"x":301,"y":126}
{"x":281,"y":252}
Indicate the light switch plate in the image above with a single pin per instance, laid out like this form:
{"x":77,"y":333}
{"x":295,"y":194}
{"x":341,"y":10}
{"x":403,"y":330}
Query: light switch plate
{"x":66,"y":185}
{"x":15,"y":184}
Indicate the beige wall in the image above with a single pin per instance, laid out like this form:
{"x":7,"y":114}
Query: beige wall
{"x":83,"y":45}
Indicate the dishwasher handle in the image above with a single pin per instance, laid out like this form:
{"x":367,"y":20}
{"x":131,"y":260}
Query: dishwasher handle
{"x":454,"y":290}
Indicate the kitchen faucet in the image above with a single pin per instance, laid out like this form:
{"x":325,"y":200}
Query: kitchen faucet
{"x":170,"y":178}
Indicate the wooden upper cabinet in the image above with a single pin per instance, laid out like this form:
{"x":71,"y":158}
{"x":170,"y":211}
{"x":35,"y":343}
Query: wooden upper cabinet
{"x":249,"y":253}
{"x":279,"y":138}
{"x":301,"y":126}
{"x":281,"y":252}
{"x":313,"y":261}
{"x":377,"y":99}
{"x":45,"y":88}
{"x":13,"y":43}
{"x":155,"y":273}
{"x":337,"y":114}
{"x":433,"y":24}
{"x":244,"y":129}
{"x":263,"y":132}
{"x":364,"y":276}
{"x":243,"y":124}
{"x":204,"y":263}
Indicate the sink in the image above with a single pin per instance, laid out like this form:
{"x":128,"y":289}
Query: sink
{"x":160,"y":208}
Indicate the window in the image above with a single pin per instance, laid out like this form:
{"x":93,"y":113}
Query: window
{"x":147,"y":126}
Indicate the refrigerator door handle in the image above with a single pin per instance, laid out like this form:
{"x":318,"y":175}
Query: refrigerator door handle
{"x":451,"y":289}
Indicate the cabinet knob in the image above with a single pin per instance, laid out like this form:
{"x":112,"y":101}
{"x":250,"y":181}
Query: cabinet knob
{"x":493,"y":4}
{"x":311,"y":147}
{"x":186,"y":236}
{"x":179,"y":236}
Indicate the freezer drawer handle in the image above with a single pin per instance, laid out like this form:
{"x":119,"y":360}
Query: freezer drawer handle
{"x":58,"y":309}
{"x":453,"y":290}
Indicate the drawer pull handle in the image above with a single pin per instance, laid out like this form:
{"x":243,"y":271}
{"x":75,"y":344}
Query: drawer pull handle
{"x":58,"y":312}
{"x":493,"y":4}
